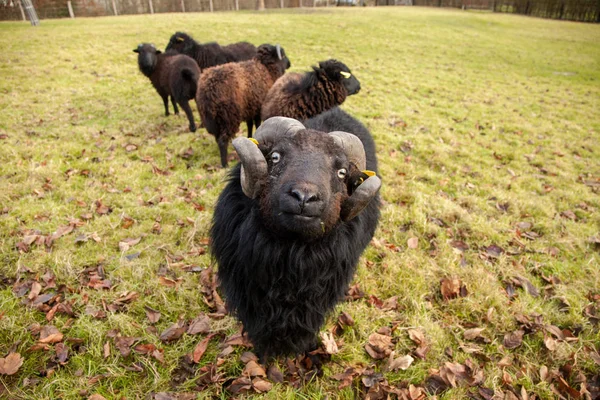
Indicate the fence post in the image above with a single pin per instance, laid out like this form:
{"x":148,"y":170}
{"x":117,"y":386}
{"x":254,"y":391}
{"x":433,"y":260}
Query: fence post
{"x":70,"y":9}
{"x":22,"y":12}
{"x":280,"y":3}
{"x":182,"y":6}
{"x":114,"y":7}
{"x":33,"y":17}
{"x":210,"y":5}
{"x":151,"y":6}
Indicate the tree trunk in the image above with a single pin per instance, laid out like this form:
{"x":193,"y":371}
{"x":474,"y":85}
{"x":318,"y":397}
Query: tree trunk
{"x":260,"y":5}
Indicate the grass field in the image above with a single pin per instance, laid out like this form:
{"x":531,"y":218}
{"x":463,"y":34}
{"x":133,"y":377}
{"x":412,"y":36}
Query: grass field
{"x":485,"y":267}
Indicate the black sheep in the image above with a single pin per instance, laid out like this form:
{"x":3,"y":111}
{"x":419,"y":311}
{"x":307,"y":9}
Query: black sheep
{"x":210,"y":54}
{"x":232,"y":93}
{"x":291,"y":224}
{"x":171,"y":74}
{"x":303,"y":96}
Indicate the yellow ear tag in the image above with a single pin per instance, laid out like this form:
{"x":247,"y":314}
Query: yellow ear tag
{"x":345,"y":74}
{"x":180,"y":39}
{"x":369,"y":173}
{"x":253,"y":140}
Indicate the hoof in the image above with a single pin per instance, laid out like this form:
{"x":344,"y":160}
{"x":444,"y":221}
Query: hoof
{"x":192,"y":128}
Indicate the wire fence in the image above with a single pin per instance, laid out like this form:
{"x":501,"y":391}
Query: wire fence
{"x":575,"y":10}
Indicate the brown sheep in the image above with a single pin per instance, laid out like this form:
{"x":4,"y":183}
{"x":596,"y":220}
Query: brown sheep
{"x":171,"y":74}
{"x":231,"y":93}
{"x":303,"y":96}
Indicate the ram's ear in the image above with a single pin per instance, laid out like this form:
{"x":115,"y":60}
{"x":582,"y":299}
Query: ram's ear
{"x":158,"y":51}
{"x":361,"y":197}
{"x":136,"y":50}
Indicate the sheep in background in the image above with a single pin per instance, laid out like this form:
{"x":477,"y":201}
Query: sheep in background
{"x":210,"y":54}
{"x":231,"y":93}
{"x":171,"y":74}
{"x":290,"y":226}
{"x":303,"y":96}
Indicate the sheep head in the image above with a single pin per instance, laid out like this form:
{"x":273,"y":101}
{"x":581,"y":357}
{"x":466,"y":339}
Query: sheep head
{"x":181,"y":42}
{"x":305,"y":181}
{"x":339,"y":72}
{"x":147,"y":57}
{"x":273,"y":56}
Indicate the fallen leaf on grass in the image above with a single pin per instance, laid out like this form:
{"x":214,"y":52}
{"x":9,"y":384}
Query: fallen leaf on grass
{"x":261,"y":385}
{"x":514,"y":339}
{"x":10,"y":364}
{"x":473,"y":333}
{"x":126,"y":244}
{"x":451,"y":288}
{"x":254,"y":369}
{"x":49,"y":334}
{"x":106,"y":350}
{"x":413,"y":243}
{"x":152,"y":314}
{"x":402,"y":362}
{"x":346,"y":377}
{"x":329,"y":343}
{"x":550,"y":343}
{"x":240,"y":385}
{"x":174,"y":332}
{"x":102,"y":209}
{"x":124,"y":344}
{"x":144,"y":348}
{"x":96,"y":396}
{"x":379,"y":346}
{"x":200,"y":348}
{"x":170,"y":282}
{"x":274,"y":374}
{"x":494,"y":251}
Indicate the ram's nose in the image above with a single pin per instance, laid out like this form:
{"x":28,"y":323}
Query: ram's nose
{"x":304,"y":195}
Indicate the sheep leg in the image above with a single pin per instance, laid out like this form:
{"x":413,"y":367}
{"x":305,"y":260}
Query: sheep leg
{"x":190,"y":116}
{"x":249,"y":125}
{"x":166,"y":103}
{"x":223,"y":142}
{"x":176,"y":110}
{"x":257,"y":121}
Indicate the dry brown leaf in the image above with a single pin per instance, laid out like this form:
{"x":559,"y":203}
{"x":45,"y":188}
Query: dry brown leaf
{"x":152,"y":314}
{"x":200,"y":324}
{"x":329,"y":343}
{"x":514,"y":339}
{"x":10,"y":364}
{"x":379,"y":346}
{"x":200,"y":348}
{"x":275,"y":374}
{"x":450,"y":288}
{"x":402,"y":362}
{"x":473,"y":333}
{"x":144,"y":348}
{"x":345,"y":319}
{"x":413,"y":243}
{"x":49,"y":334}
{"x":173,"y":332}
{"x":106,"y":349}
{"x":247,"y":356}
{"x":550,"y":343}
{"x":254,"y":369}
{"x":163,"y":280}
{"x":126,"y":244}
{"x":261,"y":385}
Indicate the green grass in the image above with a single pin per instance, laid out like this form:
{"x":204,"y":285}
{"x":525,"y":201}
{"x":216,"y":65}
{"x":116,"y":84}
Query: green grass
{"x":481,"y":120}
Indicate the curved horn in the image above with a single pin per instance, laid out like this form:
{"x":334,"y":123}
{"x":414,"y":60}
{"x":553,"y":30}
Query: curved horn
{"x":360,"y":198}
{"x":254,"y":165}
{"x":274,"y":127}
{"x":278,"y":47}
{"x":352,"y":146}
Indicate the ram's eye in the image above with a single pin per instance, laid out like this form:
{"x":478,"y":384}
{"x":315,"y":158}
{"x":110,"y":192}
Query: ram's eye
{"x":275,"y":157}
{"x":342,"y":173}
